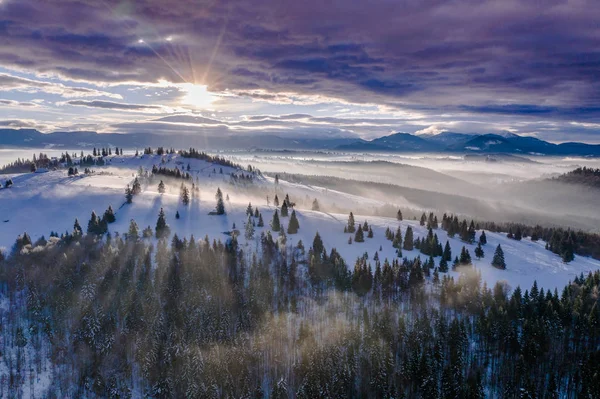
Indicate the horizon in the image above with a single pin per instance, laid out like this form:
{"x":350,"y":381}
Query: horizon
{"x":282,"y":69}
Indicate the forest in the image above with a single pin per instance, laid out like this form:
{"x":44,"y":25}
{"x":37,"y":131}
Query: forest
{"x":116,"y":316}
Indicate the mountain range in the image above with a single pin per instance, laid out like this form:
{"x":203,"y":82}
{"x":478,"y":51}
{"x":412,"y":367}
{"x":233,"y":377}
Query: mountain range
{"x":505,"y":143}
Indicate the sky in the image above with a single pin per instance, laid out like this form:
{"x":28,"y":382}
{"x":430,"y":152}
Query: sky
{"x":314,"y":68}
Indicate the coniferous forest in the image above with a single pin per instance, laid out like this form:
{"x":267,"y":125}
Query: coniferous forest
{"x":114,"y":316}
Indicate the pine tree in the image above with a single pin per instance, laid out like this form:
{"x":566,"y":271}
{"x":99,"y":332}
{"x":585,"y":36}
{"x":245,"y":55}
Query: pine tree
{"x":249,"y":234}
{"x":260,"y":223}
{"x":276,"y":201}
{"x":109,"y":215}
{"x":479,"y":251}
{"x":177,"y":216}
{"x":482,"y":238}
{"x":315,"y":205}
{"x":275,"y":224}
{"x":423,"y":219}
{"x":162,"y":229}
{"x":293,"y":226}
{"x":284,"y":209}
{"x":408,"y":239}
{"x":370,"y":235}
{"x":249,"y":210}
{"x":185,"y":196}
{"x":351,"y":224}
{"x":137,"y":188}
{"x":220,"y":208}
{"x":161,"y":187}
{"x":498,"y":260}
{"x":399,"y":215}
{"x":94,"y":224}
{"x":465,"y":256}
{"x":128,"y":195}
{"x":359,"y":236}
{"x":77,"y":228}
{"x":133,"y":233}
{"x":443,"y":265}
{"x":447,"y":252}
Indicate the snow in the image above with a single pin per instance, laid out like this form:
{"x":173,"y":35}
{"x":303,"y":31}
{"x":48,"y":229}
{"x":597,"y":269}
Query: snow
{"x":39,"y":203}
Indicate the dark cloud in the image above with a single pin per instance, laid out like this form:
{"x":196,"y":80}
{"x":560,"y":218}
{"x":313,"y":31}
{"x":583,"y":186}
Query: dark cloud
{"x":535,"y":59}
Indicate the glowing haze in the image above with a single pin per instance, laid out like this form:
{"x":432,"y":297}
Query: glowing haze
{"x":334,"y":68}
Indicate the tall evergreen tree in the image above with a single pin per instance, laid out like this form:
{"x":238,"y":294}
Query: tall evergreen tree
{"x":220,"y":208}
{"x":109,"y":215}
{"x":498,"y":260}
{"x":408,"y":239}
{"x":359,"y":236}
{"x":284,"y":209}
{"x":249,"y":233}
{"x":185,"y":196}
{"x":482,"y":238}
{"x":479,"y":251}
{"x":275,"y":224}
{"x":161,"y":187}
{"x":399,"y":215}
{"x":162,"y":229}
{"x":351,"y":228}
{"x":128,"y":195}
{"x":293,"y":226}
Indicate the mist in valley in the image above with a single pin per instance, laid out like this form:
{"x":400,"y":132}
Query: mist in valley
{"x":495,"y":188}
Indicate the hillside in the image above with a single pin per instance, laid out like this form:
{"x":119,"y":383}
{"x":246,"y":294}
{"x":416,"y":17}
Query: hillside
{"x":586,"y":177}
{"x":38,"y":203}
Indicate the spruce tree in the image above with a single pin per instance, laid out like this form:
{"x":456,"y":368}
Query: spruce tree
{"x":249,"y":233}
{"x":293,"y":226}
{"x":185,"y":196}
{"x":77,"y":228}
{"x":498,"y":260}
{"x":275,"y":224}
{"x":351,"y":224}
{"x":162,"y":229}
{"x":284,"y":209}
{"x":109,"y":215}
{"x":260,"y":223}
{"x":128,"y":195}
{"x":161,"y":187}
{"x":276,"y":201}
{"x":220,"y":208}
{"x":443,"y":265}
{"x":133,"y":233}
{"x":399,"y":215}
{"x":408,"y":239}
{"x":94,"y":224}
{"x":137,"y":188}
{"x":447,"y":252}
{"x":359,"y":236}
{"x":249,"y":210}
{"x":482,"y":238}
{"x":479,"y":251}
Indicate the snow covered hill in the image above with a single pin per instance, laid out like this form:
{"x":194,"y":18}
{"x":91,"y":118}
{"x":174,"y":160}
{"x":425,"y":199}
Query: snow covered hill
{"x":40,"y":203}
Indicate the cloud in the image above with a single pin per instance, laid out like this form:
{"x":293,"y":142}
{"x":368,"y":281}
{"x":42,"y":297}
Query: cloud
{"x":13,"y":103}
{"x":10,"y":82}
{"x":445,"y":63}
{"x":118,"y":106}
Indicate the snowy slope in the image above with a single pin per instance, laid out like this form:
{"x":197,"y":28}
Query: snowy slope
{"x":39,"y":203}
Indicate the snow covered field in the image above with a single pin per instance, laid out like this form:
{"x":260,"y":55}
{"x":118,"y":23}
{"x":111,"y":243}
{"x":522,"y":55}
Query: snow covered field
{"x":43,"y":202}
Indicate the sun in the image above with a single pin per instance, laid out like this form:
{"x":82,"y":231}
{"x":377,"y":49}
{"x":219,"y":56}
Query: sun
{"x":197,"y":95}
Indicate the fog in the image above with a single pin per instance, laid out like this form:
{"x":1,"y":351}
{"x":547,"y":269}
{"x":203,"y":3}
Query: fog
{"x":500,"y":188}
{"x":497,"y":188}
